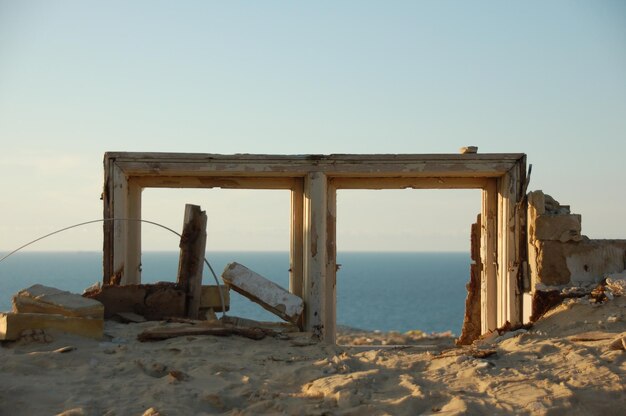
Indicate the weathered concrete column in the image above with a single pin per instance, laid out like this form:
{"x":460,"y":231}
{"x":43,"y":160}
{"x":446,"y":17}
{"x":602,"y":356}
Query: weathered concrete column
{"x":191,"y":259}
{"x":315,"y":203}
{"x":330,"y":244}
{"x":488,"y":257}
{"x":122,"y":238}
{"x":511,"y":238}
{"x":296,"y":265}
{"x":132,"y":270}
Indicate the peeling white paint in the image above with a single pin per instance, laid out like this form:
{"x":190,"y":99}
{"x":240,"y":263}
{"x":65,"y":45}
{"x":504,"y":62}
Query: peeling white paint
{"x":263,"y":291}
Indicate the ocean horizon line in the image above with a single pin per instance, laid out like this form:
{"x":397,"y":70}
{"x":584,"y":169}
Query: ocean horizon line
{"x":2,"y":252}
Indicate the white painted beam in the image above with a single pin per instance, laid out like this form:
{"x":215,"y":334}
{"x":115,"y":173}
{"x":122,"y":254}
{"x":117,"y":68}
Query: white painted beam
{"x":263,"y":291}
{"x":488,"y":253}
{"x":132,"y":269}
{"x":315,"y":197}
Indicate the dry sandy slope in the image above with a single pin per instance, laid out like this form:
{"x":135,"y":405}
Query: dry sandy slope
{"x":539,"y":372}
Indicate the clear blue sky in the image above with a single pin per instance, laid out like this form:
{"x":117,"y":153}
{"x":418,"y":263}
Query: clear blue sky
{"x":78,"y":78}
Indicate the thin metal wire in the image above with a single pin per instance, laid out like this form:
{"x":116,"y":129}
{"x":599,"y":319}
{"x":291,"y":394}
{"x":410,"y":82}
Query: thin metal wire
{"x":222,"y":302}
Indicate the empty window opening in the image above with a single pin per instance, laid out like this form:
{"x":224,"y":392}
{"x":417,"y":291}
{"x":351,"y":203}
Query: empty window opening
{"x":250,"y":227}
{"x":404,"y":260}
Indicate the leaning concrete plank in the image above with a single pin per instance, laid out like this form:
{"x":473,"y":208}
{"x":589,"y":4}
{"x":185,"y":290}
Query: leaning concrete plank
{"x":45,"y":299}
{"x":264,"y":292}
{"x":13,"y":324}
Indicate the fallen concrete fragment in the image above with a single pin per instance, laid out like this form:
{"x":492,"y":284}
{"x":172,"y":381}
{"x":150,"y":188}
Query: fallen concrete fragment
{"x":264,"y":292}
{"x":154,"y":302}
{"x":279,"y":327}
{"x":210,"y":298}
{"x":158,"y":334}
{"x":129,"y":317}
{"x":13,"y":324}
{"x":49,"y":300}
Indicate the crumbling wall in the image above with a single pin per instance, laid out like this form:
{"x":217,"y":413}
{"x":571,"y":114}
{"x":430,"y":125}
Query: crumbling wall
{"x":561,"y":259}
{"x":471,"y":321}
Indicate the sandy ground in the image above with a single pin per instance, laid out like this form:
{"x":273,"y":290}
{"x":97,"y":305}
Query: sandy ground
{"x":543,"y":371}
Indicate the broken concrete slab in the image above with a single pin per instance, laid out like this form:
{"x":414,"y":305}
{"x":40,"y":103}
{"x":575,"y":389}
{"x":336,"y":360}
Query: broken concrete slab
{"x":263,"y":291}
{"x":13,"y":324}
{"x":154,"y":302}
{"x":160,"y":333}
{"x":50,"y":300}
{"x":279,"y":327}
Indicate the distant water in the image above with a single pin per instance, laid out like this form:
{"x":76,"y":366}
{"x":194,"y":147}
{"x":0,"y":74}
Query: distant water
{"x":385,"y":291}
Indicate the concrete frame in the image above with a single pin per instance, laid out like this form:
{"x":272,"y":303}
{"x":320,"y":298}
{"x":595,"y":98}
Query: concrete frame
{"x":313,"y":181}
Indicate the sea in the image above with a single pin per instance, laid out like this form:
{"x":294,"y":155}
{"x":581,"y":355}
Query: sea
{"x":386,"y":291}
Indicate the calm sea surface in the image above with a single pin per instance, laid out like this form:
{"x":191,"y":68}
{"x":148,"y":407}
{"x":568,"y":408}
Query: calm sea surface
{"x":385,"y":291}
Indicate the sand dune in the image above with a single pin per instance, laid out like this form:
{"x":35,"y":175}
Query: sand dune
{"x":557,"y":367}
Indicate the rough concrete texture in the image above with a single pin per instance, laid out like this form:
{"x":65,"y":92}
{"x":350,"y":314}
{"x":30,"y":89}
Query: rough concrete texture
{"x":263,"y":291}
{"x":558,"y":254}
{"x":561,"y":228}
{"x":586,"y":261}
{"x":540,"y":203}
{"x":153,"y":302}
{"x":12,"y":325}
{"x":471,"y":321}
{"x":44,"y":299}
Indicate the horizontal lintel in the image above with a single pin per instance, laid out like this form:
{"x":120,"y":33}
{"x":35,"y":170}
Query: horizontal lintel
{"x":230,"y":182}
{"x":451,"y":167}
{"x":410,"y":183}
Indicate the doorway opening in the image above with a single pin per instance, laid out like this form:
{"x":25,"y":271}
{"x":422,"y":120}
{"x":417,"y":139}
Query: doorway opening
{"x":404,"y":259}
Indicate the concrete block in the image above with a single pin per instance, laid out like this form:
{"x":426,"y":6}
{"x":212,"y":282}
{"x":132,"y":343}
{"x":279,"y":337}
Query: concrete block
{"x":211,"y":297}
{"x":551,"y":268}
{"x":13,"y":324}
{"x":264,"y":292}
{"x":153,"y":301}
{"x":557,"y":228}
{"x":49,"y":300}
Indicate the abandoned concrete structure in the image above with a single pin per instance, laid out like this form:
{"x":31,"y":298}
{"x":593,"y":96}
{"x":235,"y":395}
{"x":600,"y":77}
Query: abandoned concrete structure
{"x":313,"y":181}
{"x":509,"y":268}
